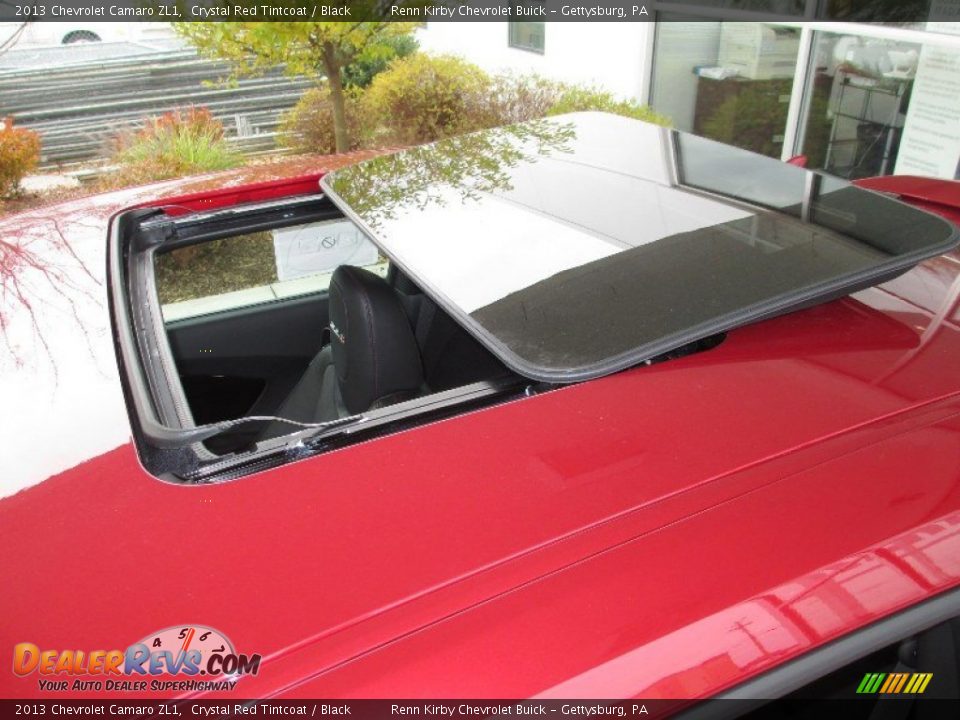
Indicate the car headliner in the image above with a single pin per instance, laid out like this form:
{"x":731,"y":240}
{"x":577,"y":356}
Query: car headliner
{"x":586,"y":243}
{"x":721,"y":513}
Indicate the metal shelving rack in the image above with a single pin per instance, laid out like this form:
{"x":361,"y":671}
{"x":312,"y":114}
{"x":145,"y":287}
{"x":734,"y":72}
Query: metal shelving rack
{"x":896,"y":88}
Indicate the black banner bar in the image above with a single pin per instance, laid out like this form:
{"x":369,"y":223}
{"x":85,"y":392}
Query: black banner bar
{"x":454,"y":10}
{"x":353,"y":709}
{"x":850,"y":709}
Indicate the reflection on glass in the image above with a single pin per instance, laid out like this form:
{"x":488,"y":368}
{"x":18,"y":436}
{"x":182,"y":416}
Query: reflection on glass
{"x":574,"y":249}
{"x":455,"y":169}
{"x":857,"y":101}
{"x":729,"y":81}
{"x":881,"y":228}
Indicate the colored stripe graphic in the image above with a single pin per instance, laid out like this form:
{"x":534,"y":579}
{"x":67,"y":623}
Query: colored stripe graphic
{"x":891,"y":678}
{"x":918,"y":683}
{"x":870,"y":683}
{"x":894,"y":683}
{"x":911,"y":682}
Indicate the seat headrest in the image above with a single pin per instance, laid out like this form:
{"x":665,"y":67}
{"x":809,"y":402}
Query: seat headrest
{"x":375,"y":353}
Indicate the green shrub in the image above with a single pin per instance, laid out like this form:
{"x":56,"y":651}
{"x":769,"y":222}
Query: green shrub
{"x":308,"y":126}
{"x":360,"y":73}
{"x":177,"y":143}
{"x":421,"y":98}
{"x":19,"y":154}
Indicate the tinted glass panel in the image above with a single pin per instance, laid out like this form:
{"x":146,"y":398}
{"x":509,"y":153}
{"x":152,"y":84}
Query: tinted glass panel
{"x":580,"y":245}
{"x":728,"y":81}
{"x":828,"y":202}
{"x":250,"y":269}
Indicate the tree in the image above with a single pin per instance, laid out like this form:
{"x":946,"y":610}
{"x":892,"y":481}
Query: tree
{"x":305,"y":48}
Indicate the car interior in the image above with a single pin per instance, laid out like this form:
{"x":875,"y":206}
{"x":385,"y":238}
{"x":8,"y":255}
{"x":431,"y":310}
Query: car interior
{"x":365,"y":343}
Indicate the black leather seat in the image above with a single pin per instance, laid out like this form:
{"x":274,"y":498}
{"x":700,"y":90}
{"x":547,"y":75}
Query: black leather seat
{"x":372,"y":359}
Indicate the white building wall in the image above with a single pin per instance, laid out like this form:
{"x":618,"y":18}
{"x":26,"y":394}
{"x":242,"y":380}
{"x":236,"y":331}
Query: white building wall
{"x":47,"y":33}
{"x":611,"y":55}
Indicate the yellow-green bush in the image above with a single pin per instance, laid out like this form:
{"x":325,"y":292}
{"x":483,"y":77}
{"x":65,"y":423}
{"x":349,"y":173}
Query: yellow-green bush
{"x":580,"y":98}
{"x":518,"y":98}
{"x":421,"y":98}
{"x":19,"y":154}
{"x":308,"y":126}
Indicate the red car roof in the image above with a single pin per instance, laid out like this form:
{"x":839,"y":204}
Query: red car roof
{"x":939,"y":196}
{"x":666,"y":531}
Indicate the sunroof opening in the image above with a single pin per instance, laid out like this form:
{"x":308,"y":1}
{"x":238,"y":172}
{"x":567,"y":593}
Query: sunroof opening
{"x":256,"y":334}
{"x":475,"y":269}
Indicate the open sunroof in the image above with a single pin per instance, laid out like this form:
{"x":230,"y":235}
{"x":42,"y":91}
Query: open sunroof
{"x":579,"y":245}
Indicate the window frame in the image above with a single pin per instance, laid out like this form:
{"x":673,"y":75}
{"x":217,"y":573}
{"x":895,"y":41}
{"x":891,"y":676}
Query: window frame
{"x":169,"y":443}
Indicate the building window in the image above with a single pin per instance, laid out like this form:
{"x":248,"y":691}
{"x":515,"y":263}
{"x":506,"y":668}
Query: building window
{"x":728,"y":81}
{"x":527,"y":35}
{"x":863,"y":115}
{"x":870,"y":98}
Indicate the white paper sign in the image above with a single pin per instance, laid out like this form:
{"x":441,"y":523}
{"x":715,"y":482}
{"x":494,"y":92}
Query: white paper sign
{"x":931,"y":137}
{"x":320,"y":247}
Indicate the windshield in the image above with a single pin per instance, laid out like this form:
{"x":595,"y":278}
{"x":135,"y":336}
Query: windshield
{"x":582,"y":244}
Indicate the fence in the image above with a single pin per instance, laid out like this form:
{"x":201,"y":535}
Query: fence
{"x":79,"y":108}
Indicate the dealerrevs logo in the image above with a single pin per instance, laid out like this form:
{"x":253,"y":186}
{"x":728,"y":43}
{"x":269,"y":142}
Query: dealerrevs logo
{"x":181,"y":658}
